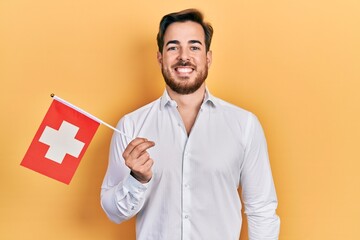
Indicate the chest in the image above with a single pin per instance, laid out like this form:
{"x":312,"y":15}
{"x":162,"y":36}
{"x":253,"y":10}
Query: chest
{"x":213,"y":148}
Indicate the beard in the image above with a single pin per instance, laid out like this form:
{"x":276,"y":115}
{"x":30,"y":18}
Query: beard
{"x":183,"y":86}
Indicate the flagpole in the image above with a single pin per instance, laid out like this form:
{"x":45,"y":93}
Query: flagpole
{"x":89,"y":115}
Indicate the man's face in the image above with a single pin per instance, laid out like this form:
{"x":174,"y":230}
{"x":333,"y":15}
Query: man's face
{"x":184,"y":61}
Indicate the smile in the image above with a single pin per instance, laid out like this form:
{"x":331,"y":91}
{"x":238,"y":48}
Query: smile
{"x":184,"y":69}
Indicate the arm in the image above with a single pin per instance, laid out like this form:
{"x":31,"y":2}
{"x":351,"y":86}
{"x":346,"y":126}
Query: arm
{"x":258,"y":188}
{"x":122,"y":193}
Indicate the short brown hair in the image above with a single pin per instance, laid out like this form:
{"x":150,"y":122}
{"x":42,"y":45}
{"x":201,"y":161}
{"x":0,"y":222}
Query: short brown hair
{"x":193,"y":15}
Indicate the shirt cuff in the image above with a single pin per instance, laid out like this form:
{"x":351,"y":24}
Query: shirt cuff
{"x":134,"y":186}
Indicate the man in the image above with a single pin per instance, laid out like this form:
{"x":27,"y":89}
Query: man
{"x":183,"y":183}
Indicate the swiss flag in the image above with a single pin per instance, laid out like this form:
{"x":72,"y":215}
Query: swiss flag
{"x":60,"y":142}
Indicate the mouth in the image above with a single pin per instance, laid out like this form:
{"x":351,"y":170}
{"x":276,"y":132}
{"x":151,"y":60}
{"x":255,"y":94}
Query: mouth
{"x":184,"y":70}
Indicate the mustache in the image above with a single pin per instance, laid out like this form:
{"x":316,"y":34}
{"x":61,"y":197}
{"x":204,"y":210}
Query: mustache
{"x":182,"y":63}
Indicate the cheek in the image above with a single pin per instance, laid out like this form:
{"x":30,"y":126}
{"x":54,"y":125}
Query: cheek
{"x":202,"y":63}
{"x":168,"y":62}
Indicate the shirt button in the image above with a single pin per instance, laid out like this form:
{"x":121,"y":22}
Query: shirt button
{"x":186,"y":216}
{"x":186,"y":185}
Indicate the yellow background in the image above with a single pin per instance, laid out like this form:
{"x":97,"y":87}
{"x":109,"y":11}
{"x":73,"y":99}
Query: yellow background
{"x":295,"y":64}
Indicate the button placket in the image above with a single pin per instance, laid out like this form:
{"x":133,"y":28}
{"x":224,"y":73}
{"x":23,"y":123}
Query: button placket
{"x":186,"y":193}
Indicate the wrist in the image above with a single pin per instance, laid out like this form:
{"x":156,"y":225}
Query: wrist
{"x":139,"y":179}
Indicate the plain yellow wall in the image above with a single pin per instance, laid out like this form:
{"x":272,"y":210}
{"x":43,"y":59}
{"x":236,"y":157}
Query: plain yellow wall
{"x":295,"y":64}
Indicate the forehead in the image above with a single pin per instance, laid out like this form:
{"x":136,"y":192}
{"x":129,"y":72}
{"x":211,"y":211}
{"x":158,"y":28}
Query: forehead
{"x":184,"y":31}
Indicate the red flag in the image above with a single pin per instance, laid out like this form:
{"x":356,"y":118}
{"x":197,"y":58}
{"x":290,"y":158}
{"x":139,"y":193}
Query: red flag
{"x":60,"y":142}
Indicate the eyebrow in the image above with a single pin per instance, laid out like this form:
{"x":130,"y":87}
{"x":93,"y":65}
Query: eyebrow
{"x":172,"y":42}
{"x":195,"y":41}
{"x":178,"y":42}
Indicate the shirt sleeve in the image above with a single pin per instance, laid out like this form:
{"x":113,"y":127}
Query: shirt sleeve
{"x":258,"y":190}
{"x":122,"y":196}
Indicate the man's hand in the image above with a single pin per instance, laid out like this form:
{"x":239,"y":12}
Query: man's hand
{"x":138,"y":159}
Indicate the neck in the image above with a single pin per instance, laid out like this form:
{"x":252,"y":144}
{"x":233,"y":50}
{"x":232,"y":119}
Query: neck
{"x":188,"y":101}
{"x":188,"y":105}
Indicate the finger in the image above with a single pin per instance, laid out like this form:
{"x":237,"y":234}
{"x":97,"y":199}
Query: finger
{"x":144,"y":172}
{"x":149,"y":163}
{"x":141,"y":148}
{"x":132,"y":145}
{"x":138,"y":162}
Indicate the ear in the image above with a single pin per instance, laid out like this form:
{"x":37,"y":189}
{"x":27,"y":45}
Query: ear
{"x":159,"y":58}
{"x":209,"y":58}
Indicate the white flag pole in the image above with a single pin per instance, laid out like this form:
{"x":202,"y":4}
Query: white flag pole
{"x":89,"y":115}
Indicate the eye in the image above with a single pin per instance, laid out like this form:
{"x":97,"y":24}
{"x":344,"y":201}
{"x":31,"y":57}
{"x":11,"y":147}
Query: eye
{"x":194,"y":48}
{"x":173,"y":48}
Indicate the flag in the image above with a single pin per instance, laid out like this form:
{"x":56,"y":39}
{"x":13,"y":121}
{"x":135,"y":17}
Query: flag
{"x":60,"y":142}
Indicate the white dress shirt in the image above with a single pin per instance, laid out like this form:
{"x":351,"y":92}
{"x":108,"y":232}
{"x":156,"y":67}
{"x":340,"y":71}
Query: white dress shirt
{"x":193,"y":191}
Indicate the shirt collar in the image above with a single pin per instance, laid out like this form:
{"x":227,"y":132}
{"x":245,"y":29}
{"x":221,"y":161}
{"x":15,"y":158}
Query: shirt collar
{"x":209,"y":100}
{"x":165,"y":100}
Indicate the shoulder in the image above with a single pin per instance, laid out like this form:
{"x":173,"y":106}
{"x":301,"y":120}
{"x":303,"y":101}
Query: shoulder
{"x":129,"y":120}
{"x":144,"y":109}
{"x":236,"y":115}
{"x":247,"y":122}
{"x":231,"y":109}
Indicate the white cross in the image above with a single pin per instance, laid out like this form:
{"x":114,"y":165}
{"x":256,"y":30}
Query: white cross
{"x":61,"y":142}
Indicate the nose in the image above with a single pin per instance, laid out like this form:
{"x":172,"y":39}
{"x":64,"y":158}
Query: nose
{"x":184,"y":55}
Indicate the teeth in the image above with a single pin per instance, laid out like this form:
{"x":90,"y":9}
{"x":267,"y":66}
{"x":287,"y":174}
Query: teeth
{"x":184,"y":70}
